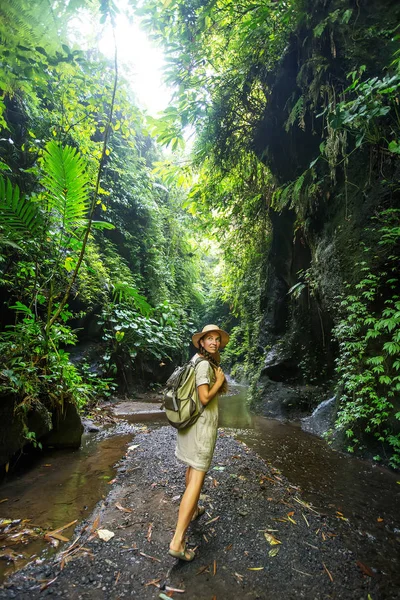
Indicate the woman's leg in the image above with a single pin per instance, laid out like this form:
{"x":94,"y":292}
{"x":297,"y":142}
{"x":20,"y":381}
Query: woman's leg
{"x":187,"y":475}
{"x":194,"y":483}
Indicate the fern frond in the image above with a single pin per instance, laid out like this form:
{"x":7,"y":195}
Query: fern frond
{"x":296,"y":114}
{"x":29,"y":24}
{"x":17,"y":214}
{"x":123,"y":291}
{"x":66,"y":182}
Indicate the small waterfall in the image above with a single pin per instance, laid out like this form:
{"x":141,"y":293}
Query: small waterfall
{"x":322,"y":417}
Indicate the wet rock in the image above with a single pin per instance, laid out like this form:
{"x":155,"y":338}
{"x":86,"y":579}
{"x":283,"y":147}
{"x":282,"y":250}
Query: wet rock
{"x":279,"y":366}
{"x":12,"y":438}
{"x":322,"y":418}
{"x":89,"y":426}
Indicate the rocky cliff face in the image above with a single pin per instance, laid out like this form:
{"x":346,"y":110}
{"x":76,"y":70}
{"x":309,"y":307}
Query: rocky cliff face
{"x":318,"y":236}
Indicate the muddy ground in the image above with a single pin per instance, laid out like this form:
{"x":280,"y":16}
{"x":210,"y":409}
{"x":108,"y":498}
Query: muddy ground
{"x":246,"y":500}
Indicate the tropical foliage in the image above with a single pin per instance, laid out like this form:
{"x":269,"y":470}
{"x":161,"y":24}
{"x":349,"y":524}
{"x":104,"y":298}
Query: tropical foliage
{"x":296,"y":115}
{"x":296,"y":148}
{"x":88,"y":234}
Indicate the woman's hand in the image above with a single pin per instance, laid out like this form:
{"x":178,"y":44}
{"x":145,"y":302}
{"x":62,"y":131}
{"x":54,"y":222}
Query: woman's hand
{"x":219,"y":377}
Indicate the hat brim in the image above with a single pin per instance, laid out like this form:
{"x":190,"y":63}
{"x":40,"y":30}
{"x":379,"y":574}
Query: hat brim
{"x":224,"y":337}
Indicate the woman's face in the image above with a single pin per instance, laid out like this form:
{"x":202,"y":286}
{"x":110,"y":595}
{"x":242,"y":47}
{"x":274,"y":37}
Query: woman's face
{"x":211,"y":342}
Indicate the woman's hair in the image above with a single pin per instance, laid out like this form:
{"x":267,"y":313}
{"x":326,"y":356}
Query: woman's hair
{"x":215,"y":364}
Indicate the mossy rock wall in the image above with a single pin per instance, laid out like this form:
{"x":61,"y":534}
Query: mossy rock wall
{"x":50,"y":429}
{"x":324,"y":234}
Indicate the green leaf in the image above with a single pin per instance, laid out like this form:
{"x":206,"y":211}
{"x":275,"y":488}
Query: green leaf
{"x":66,"y":181}
{"x":394,"y":147}
{"x":18,"y":215}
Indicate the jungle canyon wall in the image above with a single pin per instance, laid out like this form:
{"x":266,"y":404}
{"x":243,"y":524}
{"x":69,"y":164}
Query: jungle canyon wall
{"x":327,"y":217}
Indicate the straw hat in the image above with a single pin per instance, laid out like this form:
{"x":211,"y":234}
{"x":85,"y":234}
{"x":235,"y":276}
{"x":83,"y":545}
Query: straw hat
{"x":224,"y":336}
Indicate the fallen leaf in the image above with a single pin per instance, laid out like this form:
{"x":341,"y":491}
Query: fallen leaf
{"x":219,"y":468}
{"x":271,"y":539}
{"x":96,"y":523}
{"x":239,"y":577}
{"x":215,"y":568}
{"x":379,"y":519}
{"x":255,"y":568}
{"x":205,"y":537}
{"x":366,"y":570}
{"x":5,"y":522}
{"x":4,"y":500}
{"x":215,"y":482}
{"x":228,"y":547}
{"x":120,"y":507}
{"x":291,"y":513}
{"x":130,"y":448}
{"x":105,"y":534}
{"x":117,"y":577}
{"x":112,"y":481}
{"x":164,"y":596}
{"x":274,"y":551}
{"x":175,"y":498}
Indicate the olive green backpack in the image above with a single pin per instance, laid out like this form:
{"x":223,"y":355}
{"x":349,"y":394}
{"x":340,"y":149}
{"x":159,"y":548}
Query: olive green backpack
{"x":180,"y":397}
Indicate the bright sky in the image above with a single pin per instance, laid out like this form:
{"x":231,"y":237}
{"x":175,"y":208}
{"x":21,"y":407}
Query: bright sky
{"x":140,"y":60}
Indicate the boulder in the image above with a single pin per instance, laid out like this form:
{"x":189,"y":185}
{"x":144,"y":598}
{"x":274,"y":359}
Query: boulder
{"x":14,"y":424}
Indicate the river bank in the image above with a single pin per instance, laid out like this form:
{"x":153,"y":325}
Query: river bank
{"x":247,"y":500}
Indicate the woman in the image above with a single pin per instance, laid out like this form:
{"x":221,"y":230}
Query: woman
{"x":195,"y":445}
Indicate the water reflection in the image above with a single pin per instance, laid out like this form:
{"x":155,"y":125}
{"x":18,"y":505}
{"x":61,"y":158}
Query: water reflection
{"x":368,"y":495}
{"x":233,"y":410}
{"x":61,"y":486}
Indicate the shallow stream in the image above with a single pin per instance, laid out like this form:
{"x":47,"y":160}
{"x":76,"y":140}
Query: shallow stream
{"x":65,"y":485}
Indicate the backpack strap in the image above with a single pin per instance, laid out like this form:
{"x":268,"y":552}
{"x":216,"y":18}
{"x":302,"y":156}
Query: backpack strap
{"x":198,"y":360}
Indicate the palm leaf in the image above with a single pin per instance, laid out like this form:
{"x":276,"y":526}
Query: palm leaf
{"x":18,"y":215}
{"x":66,"y":182}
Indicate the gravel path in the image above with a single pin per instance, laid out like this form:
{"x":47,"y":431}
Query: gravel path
{"x":247,"y":501}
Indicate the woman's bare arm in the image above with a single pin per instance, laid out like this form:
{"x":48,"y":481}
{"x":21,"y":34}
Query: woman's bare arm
{"x":207,"y":393}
